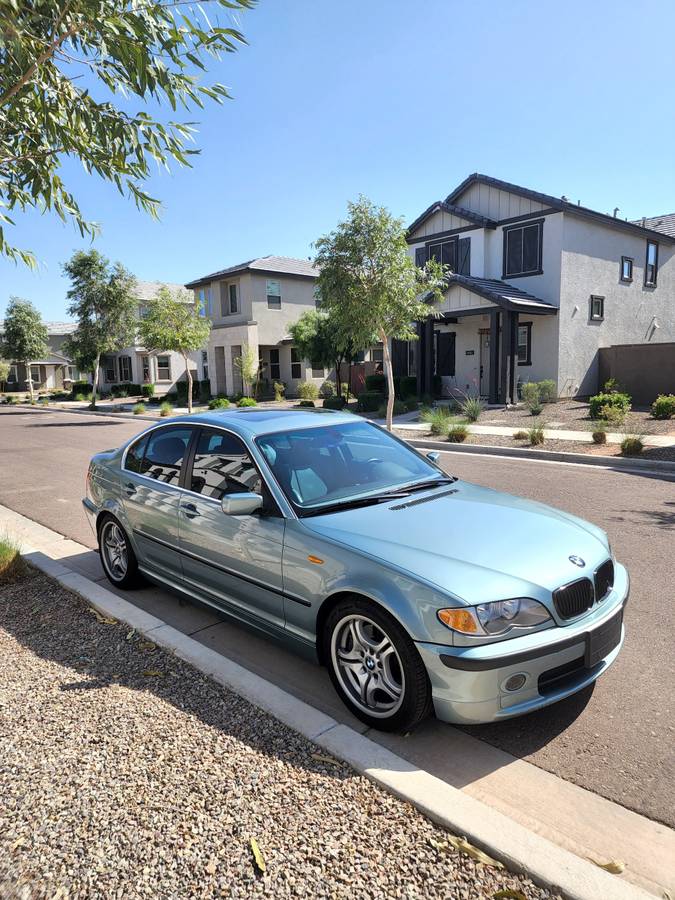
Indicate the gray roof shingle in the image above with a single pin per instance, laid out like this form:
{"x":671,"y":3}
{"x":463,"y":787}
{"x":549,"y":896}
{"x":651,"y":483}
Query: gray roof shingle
{"x":283,"y":265}
{"x":146,"y":290}
{"x":665,"y":224}
{"x":504,"y":295}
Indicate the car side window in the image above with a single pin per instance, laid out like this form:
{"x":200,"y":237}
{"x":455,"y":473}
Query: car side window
{"x":222,"y":465}
{"x":164,"y":454}
{"x":134,"y":457}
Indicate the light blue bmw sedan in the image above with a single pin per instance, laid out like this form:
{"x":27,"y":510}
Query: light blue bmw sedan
{"x":418,"y":591}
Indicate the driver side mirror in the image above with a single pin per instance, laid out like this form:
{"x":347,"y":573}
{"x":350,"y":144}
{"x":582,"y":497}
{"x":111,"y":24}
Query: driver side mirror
{"x":433,"y":456}
{"x":243,"y":504}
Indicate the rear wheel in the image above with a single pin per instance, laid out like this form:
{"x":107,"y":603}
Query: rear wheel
{"x":117,"y":555}
{"x":375,"y":666}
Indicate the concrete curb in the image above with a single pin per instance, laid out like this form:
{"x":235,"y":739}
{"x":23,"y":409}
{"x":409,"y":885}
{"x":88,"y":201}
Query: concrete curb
{"x":520,"y":849}
{"x":607,"y":462}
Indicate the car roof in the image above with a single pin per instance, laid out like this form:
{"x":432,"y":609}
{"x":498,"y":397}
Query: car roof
{"x":254,"y":421}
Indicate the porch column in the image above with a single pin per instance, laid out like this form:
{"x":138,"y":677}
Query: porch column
{"x":494,"y":355}
{"x":419,"y":362}
{"x":429,"y":354}
{"x":513,"y":355}
{"x":504,"y":356}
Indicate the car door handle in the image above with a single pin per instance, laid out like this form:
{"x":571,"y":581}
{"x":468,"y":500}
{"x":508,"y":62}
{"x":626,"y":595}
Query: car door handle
{"x":129,"y":489}
{"x":190,"y":510}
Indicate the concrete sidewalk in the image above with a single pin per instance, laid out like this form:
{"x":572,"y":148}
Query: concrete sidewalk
{"x":568,"y":816}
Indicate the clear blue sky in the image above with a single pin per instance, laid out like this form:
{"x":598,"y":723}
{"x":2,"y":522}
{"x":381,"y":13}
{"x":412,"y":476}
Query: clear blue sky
{"x":399,"y":101}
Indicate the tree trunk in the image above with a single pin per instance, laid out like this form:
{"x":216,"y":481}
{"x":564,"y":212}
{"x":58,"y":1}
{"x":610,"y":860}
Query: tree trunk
{"x":338,"y":385}
{"x":97,"y":369}
{"x":29,"y":379}
{"x":390,"y":378}
{"x":188,"y":377}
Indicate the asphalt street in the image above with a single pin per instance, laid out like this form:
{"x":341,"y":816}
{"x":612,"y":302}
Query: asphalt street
{"x":616,"y":740}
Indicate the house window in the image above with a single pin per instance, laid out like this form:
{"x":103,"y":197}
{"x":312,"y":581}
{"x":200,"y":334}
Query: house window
{"x":204,"y":299}
{"x":163,"y":368}
{"x":651,"y":263}
{"x":273,"y":291}
{"x":125,"y":368}
{"x":296,"y":368}
{"x":234,"y":301}
{"x":444,"y":252}
{"x":72,"y":373}
{"x":626,"y":268}
{"x":142,"y":312}
{"x":523,"y":249}
{"x":13,"y":376}
{"x":109,"y":369}
{"x":275,"y":369}
{"x":597,"y":308}
{"x":145,"y":365}
{"x":525,"y":344}
{"x":35,"y":374}
{"x":205,"y":365}
{"x":377,"y":356}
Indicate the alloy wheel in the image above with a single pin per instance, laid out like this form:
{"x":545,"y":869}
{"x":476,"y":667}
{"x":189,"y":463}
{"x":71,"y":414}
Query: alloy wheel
{"x":114,"y":547}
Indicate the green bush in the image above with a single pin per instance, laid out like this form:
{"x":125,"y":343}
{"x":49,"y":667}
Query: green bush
{"x":458,"y":433}
{"x":165,"y":409}
{"x":611,"y":386}
{"x":328,"y":389}
{"x":520,"y":435}
{"x":621,"y":401}
{"x":632,"y":445}
{"x":376,"y":383}
{"x":204,"y":390}
{"x":548,"y":391}
{"x":138,"y":409}
{"x":471,"y":408}
{"x":307,"y":403}
{"x":612,"y":415}
{"x":247,"y":401}
{"x":437,"y":419}
{"x":664,"y":406}
{"x":125,"y":389}
{"x":536,"y":435}
{"x":334,"y":403}
{"x":411,"y":404}
{"x":399,"y":409}
{"x":370,"y":401}
{"x":182,"y":391}
{"x":78,"y":397}
{"x":81,"y":387}
{"x":148,"y":391}
{"x":408,"y":386}
{"x":219,"y":403}
{"x":308,"y":391}
{"x":279,"y":391}
{"x":531,"y":394}
{"x":599,"y":434}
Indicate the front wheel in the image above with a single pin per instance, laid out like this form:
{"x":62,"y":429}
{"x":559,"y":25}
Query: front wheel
{"x":117,"y":555}
{"x":375,"y":666}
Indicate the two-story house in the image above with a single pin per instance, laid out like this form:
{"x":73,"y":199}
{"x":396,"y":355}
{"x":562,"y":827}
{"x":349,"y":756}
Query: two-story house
{"x":53,"y":371}
{"x":539,"y":285}
{"x":252,"y":305}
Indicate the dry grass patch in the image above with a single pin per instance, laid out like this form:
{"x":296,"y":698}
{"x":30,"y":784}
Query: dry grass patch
{"x":12,"y":566}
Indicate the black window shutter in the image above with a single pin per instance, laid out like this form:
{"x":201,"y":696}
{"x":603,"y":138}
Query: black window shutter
{"x":421,"y":257}
{"x":464,"y":256}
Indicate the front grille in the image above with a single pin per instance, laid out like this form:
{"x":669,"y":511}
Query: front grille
{"x":574,"y":599}
{"x":604,"y":580}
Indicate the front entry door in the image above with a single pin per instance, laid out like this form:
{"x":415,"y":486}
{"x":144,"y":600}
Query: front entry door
{"x":234,"y":561}
{"x":484,"y":363}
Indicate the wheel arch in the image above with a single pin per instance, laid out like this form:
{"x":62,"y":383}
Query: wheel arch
{"x":332,"y":601}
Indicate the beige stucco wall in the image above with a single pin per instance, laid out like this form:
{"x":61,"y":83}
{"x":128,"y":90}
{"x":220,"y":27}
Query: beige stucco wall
{"x":591,"y":260}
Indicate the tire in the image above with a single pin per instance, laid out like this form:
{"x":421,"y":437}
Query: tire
{"x":117,"y":555}
{"x":375,"y":666}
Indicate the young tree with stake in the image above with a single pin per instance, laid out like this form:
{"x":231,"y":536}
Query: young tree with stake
{"x":369,"y":284}
{"x":175,"y":322}
{"x":25,"y":336}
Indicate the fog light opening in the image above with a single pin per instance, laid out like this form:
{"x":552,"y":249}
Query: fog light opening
{"x":515,"y":682}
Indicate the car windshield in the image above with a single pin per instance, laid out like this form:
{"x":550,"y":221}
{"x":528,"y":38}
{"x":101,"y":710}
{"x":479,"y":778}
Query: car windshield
{"x":335,"y":464}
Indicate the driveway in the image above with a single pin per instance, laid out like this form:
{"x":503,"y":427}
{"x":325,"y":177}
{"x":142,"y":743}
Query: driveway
{"x":616,"y":740}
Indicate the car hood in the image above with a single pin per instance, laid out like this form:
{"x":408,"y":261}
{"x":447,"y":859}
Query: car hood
{"x":469,"y":540}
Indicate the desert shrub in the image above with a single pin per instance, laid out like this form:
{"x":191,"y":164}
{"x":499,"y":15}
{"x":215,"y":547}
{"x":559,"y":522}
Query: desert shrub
{"x":531,"y":394}
{"x":548,"y":390}
{"x":12,"y":566}
{"x":599,"y":433}
{"x":520,"y":435}
{"x":458,"y":433}
{"x":664,"y":406}
{"x":399,"y":409}
{"x":328,"y":389}
{"x":78,"y":397}
{"x":535,"y":435}
{"x":471,"y":408}
{"x":370,"y":401}
{"x":308,"y":391}
{"x":279,"y":391}
{"x":219,"y":403}
{"x":138,"y":409}
{"x":611,"y":386}
{"x":612,"y":415}
{"x":165,"y":409}
{"x":334,"y":403}
{"x":204,"y":390}
{"x":247,"y":401}
{"x":437,"y":419}
{"x":376,"y":382}
{"x":632,"y":445}
{"x":411,"y":404}
{"x":307,"y":403}
{"x":408,"y":386}
{"x":596,"y":403}
{"x":148,"y":391}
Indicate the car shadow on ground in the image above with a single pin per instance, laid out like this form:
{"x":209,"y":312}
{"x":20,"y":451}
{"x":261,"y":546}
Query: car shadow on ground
{"x":105,"y":423}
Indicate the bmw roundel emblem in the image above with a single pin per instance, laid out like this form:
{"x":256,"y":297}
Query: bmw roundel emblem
{"x":578,"y":561}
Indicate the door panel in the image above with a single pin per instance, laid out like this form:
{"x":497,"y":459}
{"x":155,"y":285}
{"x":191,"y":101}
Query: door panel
{"x":151,"y":495}
{"x":235,"y":560}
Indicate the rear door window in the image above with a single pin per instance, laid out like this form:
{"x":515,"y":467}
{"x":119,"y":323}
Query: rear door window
{"x":164,"y":454}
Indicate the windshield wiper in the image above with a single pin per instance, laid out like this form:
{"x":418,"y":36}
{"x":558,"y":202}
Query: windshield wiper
{"x":430,"y":483}
{"x":370,"y":500}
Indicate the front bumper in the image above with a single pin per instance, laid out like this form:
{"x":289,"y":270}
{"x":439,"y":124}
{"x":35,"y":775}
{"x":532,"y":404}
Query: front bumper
{"x":468,"y":684}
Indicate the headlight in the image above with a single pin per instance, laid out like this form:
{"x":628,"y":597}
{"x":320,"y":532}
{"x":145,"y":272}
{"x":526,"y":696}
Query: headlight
{"x":495,"y":618}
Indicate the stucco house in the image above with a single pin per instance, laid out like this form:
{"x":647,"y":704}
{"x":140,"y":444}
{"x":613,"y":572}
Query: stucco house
{"x":539,"y":285}
{"x":53,"y":371}
{"x":253,"y":304}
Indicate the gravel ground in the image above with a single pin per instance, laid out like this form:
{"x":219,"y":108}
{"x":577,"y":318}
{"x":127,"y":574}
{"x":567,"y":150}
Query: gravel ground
{"x":573,"y":414}
{"x":126,"y":773}
{"x":504,"y":440}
